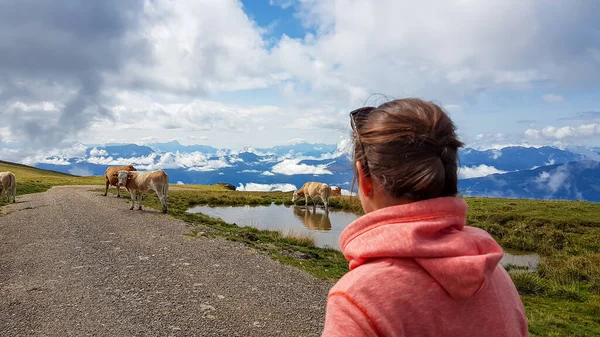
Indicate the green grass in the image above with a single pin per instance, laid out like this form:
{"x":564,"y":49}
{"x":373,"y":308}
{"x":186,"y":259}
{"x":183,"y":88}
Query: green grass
{"x":562,"y":297}
{"x":32,"y":180}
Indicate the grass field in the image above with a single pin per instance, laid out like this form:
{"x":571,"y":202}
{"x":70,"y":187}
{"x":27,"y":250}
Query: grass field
{"x":32,"y":180}
{"x":562,"y":298}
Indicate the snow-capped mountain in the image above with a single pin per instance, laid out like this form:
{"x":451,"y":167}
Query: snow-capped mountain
{"x":571,"y":181}
{"x":492,"y":172}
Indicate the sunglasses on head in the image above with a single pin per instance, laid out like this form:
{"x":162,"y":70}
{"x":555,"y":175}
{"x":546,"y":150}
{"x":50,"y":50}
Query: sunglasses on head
{"x":362,"y":113}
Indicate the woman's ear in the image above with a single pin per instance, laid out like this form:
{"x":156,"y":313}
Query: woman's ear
{"x":365,"y":184}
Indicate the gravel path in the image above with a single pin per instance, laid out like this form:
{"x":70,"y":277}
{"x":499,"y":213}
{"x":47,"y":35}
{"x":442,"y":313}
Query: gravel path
{"x":75,"y":263}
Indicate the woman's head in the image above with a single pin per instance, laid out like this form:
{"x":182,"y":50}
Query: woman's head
{"x":405,"y":150}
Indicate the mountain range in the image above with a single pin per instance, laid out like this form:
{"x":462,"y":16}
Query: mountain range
{"x":515,"y":171}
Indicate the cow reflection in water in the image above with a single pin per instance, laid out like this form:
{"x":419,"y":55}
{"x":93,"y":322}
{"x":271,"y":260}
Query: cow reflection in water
{"x":313,"y":219}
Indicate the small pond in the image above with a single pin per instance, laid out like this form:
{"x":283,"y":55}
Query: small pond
{"x":325,"y":227}
{"x":520,"y":259}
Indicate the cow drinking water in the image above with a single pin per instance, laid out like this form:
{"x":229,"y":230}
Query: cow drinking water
{"x":313,"y":190}
{"x":138,"y":183}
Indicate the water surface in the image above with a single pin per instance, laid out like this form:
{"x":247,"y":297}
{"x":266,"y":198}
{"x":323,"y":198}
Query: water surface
{"x":325,"y":227}
{"x":521,"y":259}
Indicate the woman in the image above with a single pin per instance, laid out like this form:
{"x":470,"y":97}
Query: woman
{"x":415,"y":268}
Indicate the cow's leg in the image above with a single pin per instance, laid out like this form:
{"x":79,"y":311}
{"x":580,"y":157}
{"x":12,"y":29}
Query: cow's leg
{"x":140,"y":201}
{"x":305,"y":200}
{"x":14,"y":191}
{"x":118,"y":191}
{"x":132,"y":192}
{"x":163,"y":201}
{"x":106,"y":190}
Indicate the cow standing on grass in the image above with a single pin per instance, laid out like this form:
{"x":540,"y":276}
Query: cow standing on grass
{"x":313,"y":190}
{"x":336,"y":191}
{"x":8,"y":185}
{"x":111,"y":178}
{"x":138,"y":183}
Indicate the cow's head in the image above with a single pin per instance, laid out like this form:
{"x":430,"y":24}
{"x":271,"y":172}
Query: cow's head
{"x":295,"y":196}
{"x":122,"y":177}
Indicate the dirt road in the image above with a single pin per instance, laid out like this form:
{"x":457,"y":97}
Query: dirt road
{"x":75,"y":263}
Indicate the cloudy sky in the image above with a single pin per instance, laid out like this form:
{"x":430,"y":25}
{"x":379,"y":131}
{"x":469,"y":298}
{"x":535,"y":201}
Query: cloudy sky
{"x":232,"y":73}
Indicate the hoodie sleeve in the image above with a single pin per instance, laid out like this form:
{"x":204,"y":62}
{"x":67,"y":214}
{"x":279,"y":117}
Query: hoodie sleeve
{"x":344,"y":317}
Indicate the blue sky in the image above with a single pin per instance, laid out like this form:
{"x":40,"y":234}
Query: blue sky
{"x":233,"y":74}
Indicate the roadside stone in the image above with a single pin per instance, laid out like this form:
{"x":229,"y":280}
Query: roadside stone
{"x":248,"y":236}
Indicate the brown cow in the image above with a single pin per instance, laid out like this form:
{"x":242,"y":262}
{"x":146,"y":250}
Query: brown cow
{"x":8,"y":185}
{"x":138,"y":183}
{"x":111,"y":178}
{"x":336,"y":191}
{"x":313,"y":190}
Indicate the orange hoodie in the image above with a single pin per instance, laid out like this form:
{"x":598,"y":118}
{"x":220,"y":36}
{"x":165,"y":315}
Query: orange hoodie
{"x":416,"y":270}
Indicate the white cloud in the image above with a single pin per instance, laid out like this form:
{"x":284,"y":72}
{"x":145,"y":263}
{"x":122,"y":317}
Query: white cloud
{"x":267,"y":173}
{"x":95,"y":152}
{"x":565,"y":132}
{"x":293,"y":167}
{"x":554,"y":180}
{"x":146,"y":140}
{"x":440,"y":50}
{"x":557,"y":179}
{"x":210,"y":165}
{"x":55,"y":161}
{"x":266,"y":187}
{"x":452,"y":107}
{"x":179,"y":182}
{"x":347,"y":192}
{"x":281,"y":3}
{"x":550,"y":98}
{"x":203,"y":47}
{"x":81,"y":171}
{"x":465,"y":172}
{"x":142,"y":161}
{"x":296,"y":141}
{"x":179,"y":66}
{"x":542,"y":177}
{"x":496,"y":141}
{"x":320,"y":120}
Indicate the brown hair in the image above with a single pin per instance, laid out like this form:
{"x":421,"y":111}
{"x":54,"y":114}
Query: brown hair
{"x":409,"y":147}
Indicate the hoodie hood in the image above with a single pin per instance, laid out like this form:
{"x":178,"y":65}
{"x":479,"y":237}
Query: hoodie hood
{"x":433,"y":233}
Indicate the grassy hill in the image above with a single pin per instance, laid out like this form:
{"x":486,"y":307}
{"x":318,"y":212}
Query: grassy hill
{"x":33,"y":180}
{"x":562,"y":297}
